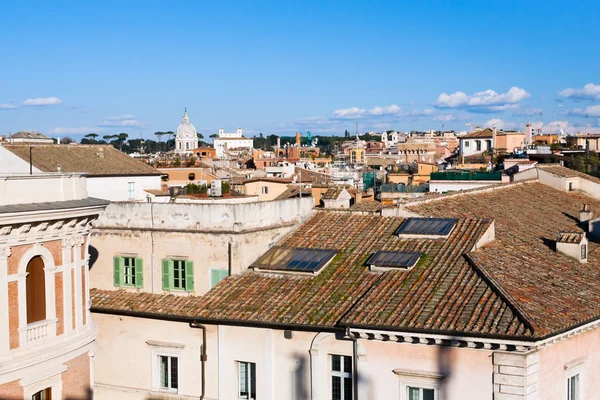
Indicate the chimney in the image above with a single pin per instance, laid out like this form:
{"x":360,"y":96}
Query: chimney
{"x":297,"y":139}
{"x":58,"y":140}
{"x":100,"y":152}
{"x":573,"y":244}
{"x":585,"y":213}
{"x":278,"y":142}
{"x":239,"y":131}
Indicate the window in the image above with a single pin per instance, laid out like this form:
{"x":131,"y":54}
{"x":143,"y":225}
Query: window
{"x":128,"y":271}
{"x":265,"y":190}
{"x":247,"y":380}
{"x":217,"y":275}
{"x":178,"y":274}
{"x":583,"y":251}
{"x":35,"y":289}
{"x":570,"y":186}
{"x":191,"y":176}
{"x":168,"y":370}
{"x":467,"y":144}
{"x":187,"y":145}
{"x":45,"y":394}
{"x":131,"y":190}
{"x":341,"y":377}
{"x":478,"y":145}
{"x":417,"y":393}
{"x":573,"y":388}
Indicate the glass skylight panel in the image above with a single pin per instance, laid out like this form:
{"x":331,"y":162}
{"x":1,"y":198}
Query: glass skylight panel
{"x":393,"y":259}
{"x":433,"y":227}
{"x":301,"y":260}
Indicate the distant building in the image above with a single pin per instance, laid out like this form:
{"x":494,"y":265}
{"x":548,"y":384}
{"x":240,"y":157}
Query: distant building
{"x":47,"y":338}
{"x":229,"y":141}
{"x":476,"y":142}
{"x":112,"y":175}
{"x":30,"y":137}
{"x":186,"y":137}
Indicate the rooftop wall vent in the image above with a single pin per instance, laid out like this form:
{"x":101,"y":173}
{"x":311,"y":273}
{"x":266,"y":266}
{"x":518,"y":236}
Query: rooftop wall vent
{"x":585,"y":213}
{"x":573,"y":244}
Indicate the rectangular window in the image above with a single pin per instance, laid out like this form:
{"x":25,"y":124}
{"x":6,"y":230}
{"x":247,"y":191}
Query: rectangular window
{"x":573,"y":388}
{"x":341,"y":377}
{"x":466,"y":144}
{"x":129,"y":271}
{"x":583,"y":251}
{"x":265,"y":190}
{"x":168,"y":372}
{"x":247,"y":380}
{"x":179,"y":274}
{"x":131,"y":190}
{"x":417,"y":393}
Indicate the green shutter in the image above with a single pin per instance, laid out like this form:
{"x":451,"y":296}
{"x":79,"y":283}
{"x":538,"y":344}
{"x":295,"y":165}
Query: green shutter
{"x":189,"y":276}
{"x":118,"y":271}
{"x":139,"y":273}
{"x":166,"y":274}
{"x":217,"y":275}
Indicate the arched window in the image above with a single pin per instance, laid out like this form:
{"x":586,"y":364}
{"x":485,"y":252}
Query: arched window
{"x":179,"y":145}
{"x":36,"y":290}
{"x":187,"y":145}
{"x":191,"y":176}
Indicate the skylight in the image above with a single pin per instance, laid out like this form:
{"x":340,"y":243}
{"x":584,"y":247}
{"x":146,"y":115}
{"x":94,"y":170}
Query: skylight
{"x":426,"y":227}
{"x":389,"y":260}
{"x":294,"y":260}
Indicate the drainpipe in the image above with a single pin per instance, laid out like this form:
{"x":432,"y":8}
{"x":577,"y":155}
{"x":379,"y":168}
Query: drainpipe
{"x":354,"y":362}
{"x":229,"y":272}
{"x":152,"y":243}
{"x":203,"y":357}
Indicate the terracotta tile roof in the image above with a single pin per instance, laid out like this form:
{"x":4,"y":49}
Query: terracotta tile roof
{"x":306,"y":175}
{"x":555,"y":292}
{"x":443,"y":293}
{"x":484,"y":133}
{"x":294,"y":191}
{"x":332,"y":193}
{"x":95,"y":160}
{"x":564,"y":172}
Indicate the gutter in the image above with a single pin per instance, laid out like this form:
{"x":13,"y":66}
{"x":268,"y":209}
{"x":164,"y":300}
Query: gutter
{"x":203,"y":357}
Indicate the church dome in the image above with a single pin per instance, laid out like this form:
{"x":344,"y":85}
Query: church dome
{"x":186,"y":130}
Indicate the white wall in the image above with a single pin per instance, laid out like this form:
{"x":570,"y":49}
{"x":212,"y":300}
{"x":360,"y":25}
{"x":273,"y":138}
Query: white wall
{"x":446,"y":186}
{"x":116,"y":188}
{"x":12,"y":164}
{"x":42,"y":187}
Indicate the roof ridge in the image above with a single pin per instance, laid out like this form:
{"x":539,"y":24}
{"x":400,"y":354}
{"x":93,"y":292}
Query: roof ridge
{"x":503,"y":294}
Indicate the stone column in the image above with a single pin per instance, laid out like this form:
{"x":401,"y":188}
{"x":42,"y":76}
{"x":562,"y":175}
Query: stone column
{"x":67,"y":285}
{"x":516,"y":375}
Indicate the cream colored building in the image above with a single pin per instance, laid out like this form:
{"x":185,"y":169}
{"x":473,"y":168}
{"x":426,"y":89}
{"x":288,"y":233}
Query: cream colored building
{"x":47,"y":338}
{"x":362,"y":306}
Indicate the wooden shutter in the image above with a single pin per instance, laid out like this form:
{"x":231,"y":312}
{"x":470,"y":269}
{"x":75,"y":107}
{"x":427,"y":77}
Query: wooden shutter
{"x":166,"y":274}
{"x":118,"y":271}
{"x":189,"y":276}
{"x":217,"y":275}
{"x":139,"y":273}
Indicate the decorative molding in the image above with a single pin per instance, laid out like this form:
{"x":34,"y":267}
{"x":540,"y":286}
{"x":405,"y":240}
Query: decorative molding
{"x":158,"y":343}
{"x":5,"y":252}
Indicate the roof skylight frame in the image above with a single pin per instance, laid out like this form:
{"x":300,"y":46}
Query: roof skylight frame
{"x":386,"y":260}
{"x":426,"y":228}
{"x":294,"y":260}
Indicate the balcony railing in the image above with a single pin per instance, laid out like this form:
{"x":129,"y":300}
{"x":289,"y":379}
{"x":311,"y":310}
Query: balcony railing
{"x":39,"y":332}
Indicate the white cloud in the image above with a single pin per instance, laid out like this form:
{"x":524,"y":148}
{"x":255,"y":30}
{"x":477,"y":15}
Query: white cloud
{"x":8,"y":107}
{"x":72,"y":131}
{"x":501,"y":124}
{"x":591,"y":111}
{"x":528,"y":112}
{"x":42,"y":101}
{"x":121,"y":121}
{"x":386,"y":110}
{"x":588,"y":92}
{"x":444,"y":117}
{"x":486,"y":101}
{"x":353,"y":112}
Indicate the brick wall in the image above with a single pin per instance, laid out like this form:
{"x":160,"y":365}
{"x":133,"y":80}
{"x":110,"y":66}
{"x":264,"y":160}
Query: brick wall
{"x":73,"y":297}
{"x":83,"y":295}
{"x":13,"y":314}
{"x":58,"y":290}
{"x":76,"y":379}
{"x":11,"y":391}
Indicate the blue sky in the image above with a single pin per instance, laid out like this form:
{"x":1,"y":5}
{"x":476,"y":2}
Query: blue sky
{"x":68,"y":68}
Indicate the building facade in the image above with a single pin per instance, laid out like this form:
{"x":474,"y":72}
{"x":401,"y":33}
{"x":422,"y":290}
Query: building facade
{"x":227,"y":142}
{"x":47,"y":338}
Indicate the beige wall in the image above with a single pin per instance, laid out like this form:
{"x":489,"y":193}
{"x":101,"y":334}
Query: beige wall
{"x":509,"y":142}
{"x":255,"y":189}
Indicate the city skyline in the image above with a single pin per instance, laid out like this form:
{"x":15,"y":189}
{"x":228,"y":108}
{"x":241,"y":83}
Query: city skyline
{"x":279,"y":68}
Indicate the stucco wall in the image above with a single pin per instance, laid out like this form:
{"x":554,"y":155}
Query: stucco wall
{"x":446,"y":186}
{"x":255,"y":189}
{"x":11,"y":163}
{"x":125,"y":339}
{"x":584,"y":347}
{"x":76,"y":379}
{"x":39,"y":188}
{"x":116,"y":188}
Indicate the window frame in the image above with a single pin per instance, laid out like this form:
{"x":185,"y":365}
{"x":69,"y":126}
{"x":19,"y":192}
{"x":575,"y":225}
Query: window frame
{"x":418,"y":379}
{"x":584,"y":251}
{"x":341,"y":374}
{"x":125,"y":274}
{"x":179,"y":265}
{"x":157,"y":353}
{"x":572,"y":369}
{"x":249,"y":367}
{"x":168,"y":274}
